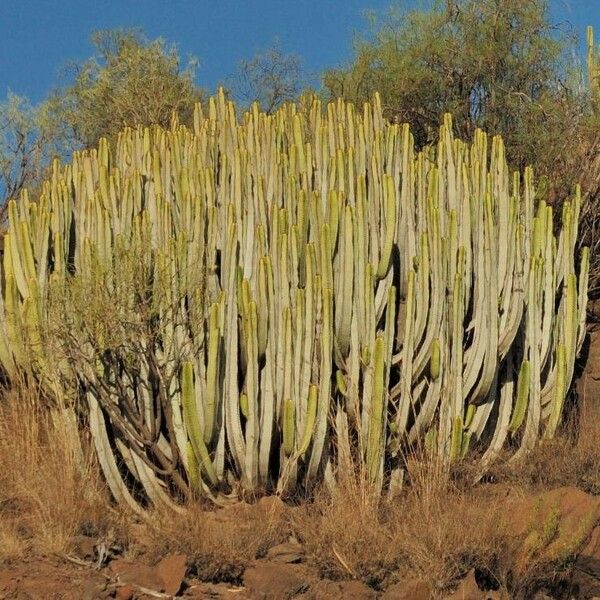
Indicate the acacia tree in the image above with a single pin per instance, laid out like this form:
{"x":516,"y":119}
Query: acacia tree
{"x":129,"y":81}
{"x":496,"y":64}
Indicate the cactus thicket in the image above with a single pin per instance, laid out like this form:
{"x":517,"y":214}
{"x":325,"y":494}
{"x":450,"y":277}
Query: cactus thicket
{"x":307,"y":288}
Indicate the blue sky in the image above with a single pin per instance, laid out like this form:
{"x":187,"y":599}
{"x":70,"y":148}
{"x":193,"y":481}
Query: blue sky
{"x":37,"y":37}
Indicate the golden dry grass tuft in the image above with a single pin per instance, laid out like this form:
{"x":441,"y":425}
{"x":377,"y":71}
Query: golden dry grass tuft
{"x":12,"y":544}
{"x":219,"y":543}
{"x":448,"y":528}
{"x":436,"y":530}
{"x":433,"y":531}
{"x":346,"y":535}
{"x":572,"y":458}
{"x":50,"y":490}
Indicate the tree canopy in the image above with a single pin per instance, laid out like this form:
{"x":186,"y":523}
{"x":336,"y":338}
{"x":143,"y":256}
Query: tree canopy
{"x":129,"y":81}
{"x":496,"y":64}
{"x":271,"y":77}
{"x":27,"y":141}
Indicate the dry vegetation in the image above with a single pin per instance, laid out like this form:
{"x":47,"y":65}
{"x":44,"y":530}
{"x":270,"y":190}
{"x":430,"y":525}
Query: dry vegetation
{"x":220,"y":544}
{"x":427,"y":534}
{"x":437,"y":530}
{"x":570,"y":459}
{"x":50,"y":490}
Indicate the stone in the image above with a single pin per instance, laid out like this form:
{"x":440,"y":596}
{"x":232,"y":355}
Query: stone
{"x":85,"y":547}
{"x":290,"y":552}
{"x":468,"y":589}
{"x":275,"y":581}
{"x":125,"y":592}
{"x":214,"y":591}
{"x":171,"y":569}
{"x":586,"y":569}
{"x":584,"y":584}
{"x":356,"y":590}
{"x":92,"y":590}
{"x":340,"y":590}
{"x":589,"y":558}
{"x":414,"y":589}
{"x":137,"y":574}
{"x":570,"y":515}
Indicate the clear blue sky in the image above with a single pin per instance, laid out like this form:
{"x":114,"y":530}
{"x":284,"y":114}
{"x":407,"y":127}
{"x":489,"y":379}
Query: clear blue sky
{"x":37,"y":37}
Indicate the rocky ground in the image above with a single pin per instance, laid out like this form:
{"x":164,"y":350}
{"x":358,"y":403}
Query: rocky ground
{"x":533,"y":534}
{"x":560,"y":527}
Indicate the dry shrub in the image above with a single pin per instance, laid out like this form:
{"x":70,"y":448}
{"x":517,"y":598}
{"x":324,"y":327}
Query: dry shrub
{"x":570,"y":459}
{"x":50,"y":490}
{"x":12,"y":545}
{"x":219,"y":543}
{"x":347,"y":536}
{"x":432,"y":531}
{"x":447,"y":529}
{"x":438,"y":528}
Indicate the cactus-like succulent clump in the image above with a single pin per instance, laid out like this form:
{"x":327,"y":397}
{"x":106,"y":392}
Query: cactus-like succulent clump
{"x":258,"y":303}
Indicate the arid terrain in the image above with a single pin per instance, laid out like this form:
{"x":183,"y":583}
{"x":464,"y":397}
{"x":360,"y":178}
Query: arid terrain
{"x":526,"y":532}
{"x":300,"y":301}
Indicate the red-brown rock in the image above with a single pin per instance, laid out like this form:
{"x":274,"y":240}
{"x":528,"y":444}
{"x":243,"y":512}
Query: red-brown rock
{"x":137,"y":574}
{"x":171,"y":570}
{"x":356,"y":590}
{"x":414,"y":589}
{"x":340,"y":590}
{"x":275,"y":581}
{"x":125,"y":592}
{"x":550,"y":527}
{"x":468,"y":589}
{"x":290,"y":552}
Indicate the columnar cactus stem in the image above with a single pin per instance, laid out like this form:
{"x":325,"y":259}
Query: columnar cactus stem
{"x":305,"y":282}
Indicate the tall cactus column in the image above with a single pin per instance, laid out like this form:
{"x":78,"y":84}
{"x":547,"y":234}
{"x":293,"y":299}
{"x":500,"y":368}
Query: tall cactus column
{"x":263,"y":302}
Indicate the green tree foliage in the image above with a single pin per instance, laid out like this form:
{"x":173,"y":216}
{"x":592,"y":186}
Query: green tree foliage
{"x":495,"y":64}
{"x":129,"y":81}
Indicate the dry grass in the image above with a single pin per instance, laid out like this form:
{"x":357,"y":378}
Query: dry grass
{"x":12,"y":545}
{"x":50,"y":490}
{"x":572,"y":458}
{"x":433,"y":531}
{"x":447,"y":529}
{"x":347,"y":536}
{"x":221,"y":543}
{"x":440,"y":527}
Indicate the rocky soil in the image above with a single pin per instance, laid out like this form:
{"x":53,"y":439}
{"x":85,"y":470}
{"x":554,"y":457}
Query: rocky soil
{"x":560,"y":527}
{"x":552,"y":552}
